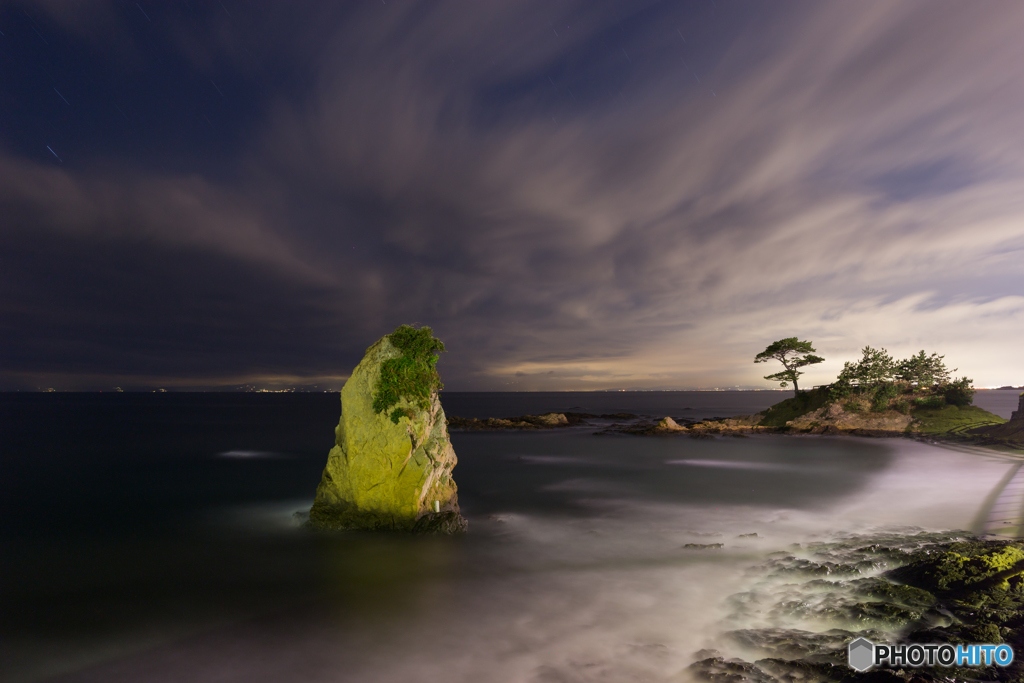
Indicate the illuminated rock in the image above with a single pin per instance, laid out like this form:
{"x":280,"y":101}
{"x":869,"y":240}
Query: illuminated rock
{"x":389,"y":469}
{"x":667,"y":424}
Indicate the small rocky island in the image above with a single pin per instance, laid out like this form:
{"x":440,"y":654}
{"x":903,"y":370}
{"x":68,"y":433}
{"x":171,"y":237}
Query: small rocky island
{"x":528,"y":422}
{"x":391,"y":465}
{"x":875,"y":396}
{"x":920,"y":413}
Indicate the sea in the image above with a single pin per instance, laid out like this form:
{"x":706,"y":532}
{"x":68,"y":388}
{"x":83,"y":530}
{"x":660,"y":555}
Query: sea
{"x":157,"y":537}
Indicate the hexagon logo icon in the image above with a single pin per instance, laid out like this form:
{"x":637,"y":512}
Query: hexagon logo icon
{"x":861,"y":654}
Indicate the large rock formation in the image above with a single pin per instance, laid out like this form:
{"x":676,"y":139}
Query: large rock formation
{"x":1012,"y":431}
{"x":835,"y":417}
{"x":391,"y":467}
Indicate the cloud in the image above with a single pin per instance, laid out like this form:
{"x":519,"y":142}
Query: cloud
{"x":646,"y":197}
{"x":175,"y":212}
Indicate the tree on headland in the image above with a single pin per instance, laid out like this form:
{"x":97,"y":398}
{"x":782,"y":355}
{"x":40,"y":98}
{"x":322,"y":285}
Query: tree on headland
{"x":923,"y":370}
{"x":793,"y":354}
{"x":959,"y":392}
{"x":875,"y":367}
{"x":922,"y":380}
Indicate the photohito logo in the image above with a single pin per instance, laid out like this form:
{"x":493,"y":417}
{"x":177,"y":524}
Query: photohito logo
{"x":862,"y":654}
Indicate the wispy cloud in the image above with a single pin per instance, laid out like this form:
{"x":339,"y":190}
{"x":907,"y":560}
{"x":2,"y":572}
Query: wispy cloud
{"x":848,"y":173}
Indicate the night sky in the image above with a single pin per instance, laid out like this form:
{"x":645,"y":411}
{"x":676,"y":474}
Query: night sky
{"x":573,"y":194}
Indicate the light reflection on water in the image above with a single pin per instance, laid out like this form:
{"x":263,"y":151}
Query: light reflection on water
{"x":574,"y":568}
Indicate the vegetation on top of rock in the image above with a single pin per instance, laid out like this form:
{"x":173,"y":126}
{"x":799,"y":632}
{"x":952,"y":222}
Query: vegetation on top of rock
{"x":923,"y":370}
{"x":886,"y":382}
{"x":946,"y":419}
{"x":790,"y":409}
{"x":876,"y":366}
{"x":875,"y":394}
{"x":793,"y":354}
{"x":959,"y":392}
{"x":413,"y":375}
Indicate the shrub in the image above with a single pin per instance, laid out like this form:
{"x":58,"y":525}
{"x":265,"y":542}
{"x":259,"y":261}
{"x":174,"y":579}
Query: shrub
{"x":883,"y":395}
{"x":959,"y":392}
{"x":791,"y":408}
{"x":874,"y":367}
{"x":901,"y":406}
{"x":930,"y":402}
{"x":839,"y":389}
{"x":853,"y":407}
{"x":413,"y":375}
{"x":923,"y":370}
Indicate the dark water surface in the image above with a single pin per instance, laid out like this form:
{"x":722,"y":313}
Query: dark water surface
{"x":152,"y":537}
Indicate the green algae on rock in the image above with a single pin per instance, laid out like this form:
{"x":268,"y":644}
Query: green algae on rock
{"x":411,"y":375}
{"x":898,"y":587}
{"x":966,"y":567}
{"x":391,"y":465}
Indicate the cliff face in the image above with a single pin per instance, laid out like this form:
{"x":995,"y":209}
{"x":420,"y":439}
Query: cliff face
{"x":383,"y":474}
{"x":1009,"y":431}
{"x":835,"y":417}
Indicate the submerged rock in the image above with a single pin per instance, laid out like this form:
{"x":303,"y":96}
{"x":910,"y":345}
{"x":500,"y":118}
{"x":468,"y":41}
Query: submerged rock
{"x":391,"y":466}
{"x":545,"y":421}
{"x":526,"y":422}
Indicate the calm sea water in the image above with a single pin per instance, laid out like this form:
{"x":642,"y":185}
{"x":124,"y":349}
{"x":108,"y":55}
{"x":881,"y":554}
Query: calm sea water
{"x":152,"y":537}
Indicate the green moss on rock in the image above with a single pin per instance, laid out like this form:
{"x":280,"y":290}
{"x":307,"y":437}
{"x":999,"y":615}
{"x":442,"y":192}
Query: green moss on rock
{"x":411,"y":376}
{"x":965,"y":568}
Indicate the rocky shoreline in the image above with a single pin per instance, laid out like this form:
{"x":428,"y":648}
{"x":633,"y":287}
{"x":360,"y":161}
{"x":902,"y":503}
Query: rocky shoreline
{"x":528,"y":422}
{"x":968,"y":427}
{"x":738,"y":426}
{"x":637,"y":425}
{"x":891,"y":589}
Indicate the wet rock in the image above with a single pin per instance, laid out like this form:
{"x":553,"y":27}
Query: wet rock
{"x":618,"y":416}
{"x":667,"y":424}
{"x":720,"y":670}
{"x":545,"y":421}
{"x":788,"y":643}
{"x":800,"y":566}
{"x":964,"y":568}
{"x":880,"y":589}
{"x":800,"y":671}
{"x":949,"y":589}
